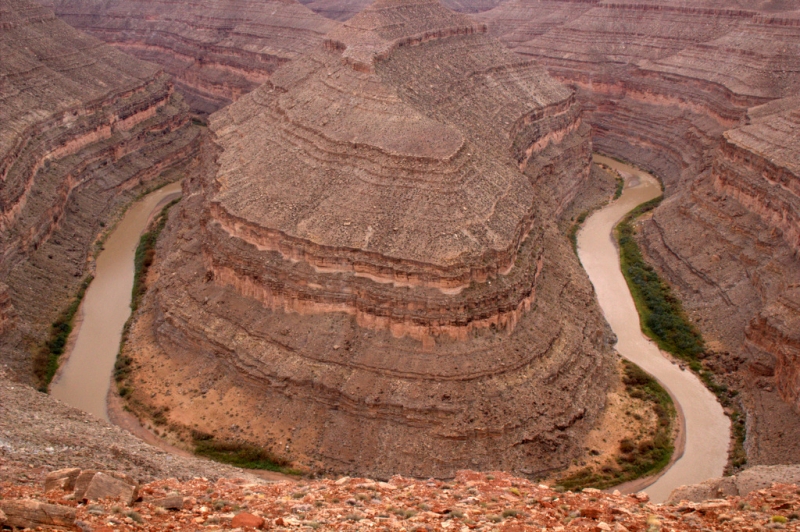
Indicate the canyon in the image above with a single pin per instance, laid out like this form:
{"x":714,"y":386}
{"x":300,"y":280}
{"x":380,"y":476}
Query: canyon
{"x":83,"y":129}
{"x":215,"y":51}
{"x":704,"y":96}
{"x":365,"y":273}
{"x":368,"y":272}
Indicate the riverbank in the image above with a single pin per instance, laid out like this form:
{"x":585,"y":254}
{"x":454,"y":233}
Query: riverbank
{"x":707,"y":428}
{"x":85,"y":375}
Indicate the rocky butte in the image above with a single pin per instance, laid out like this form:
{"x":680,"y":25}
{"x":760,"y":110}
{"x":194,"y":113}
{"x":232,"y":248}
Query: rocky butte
{"x":365,"y":272}
{"x":83,"y":129}
{"x":216,"y":51}
{"x":705,"y":95}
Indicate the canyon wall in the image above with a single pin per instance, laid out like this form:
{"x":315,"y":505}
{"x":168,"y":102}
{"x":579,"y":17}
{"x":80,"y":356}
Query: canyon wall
{"x":366,"y":275}
{"x":216,"y":51}
{"x":345,"y":9}
{"x":703,"y":95}
{"x":83,"y":128}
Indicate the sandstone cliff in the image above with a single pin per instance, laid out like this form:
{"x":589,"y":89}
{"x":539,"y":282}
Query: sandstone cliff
{"x":701,"y":94}
{"x":83,"y":128}
{"x":366,"y":273}
{"x":345,"y":9}
{"x":216,"y":51}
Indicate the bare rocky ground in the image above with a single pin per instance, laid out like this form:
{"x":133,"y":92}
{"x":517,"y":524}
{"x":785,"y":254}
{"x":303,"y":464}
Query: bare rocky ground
{"x":39,"y":433}
{"x":471,"y":501}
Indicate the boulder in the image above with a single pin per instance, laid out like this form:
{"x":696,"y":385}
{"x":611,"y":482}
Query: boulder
{"x":247,"y":520}
{"x":106,"y":486}
{"x":27,"y":513}
{"x":63,"y":479}
{"x":82,"y":482}
{"x":173,"y":501}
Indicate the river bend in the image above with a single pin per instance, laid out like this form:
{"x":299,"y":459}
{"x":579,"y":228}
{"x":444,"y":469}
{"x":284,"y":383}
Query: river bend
{"x":85,"y":378}
{"x":707,"y":429}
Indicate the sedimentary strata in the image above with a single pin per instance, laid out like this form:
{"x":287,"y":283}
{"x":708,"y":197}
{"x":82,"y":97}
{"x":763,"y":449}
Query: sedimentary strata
{"x":82,"y":128}
{"x":704,"y":95}
{"x":216,"y":51}
{"x":345,"y":9}
{"x":366,"y":274}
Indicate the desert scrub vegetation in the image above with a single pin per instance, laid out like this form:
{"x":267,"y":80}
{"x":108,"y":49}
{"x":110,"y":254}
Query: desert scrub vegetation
{"x":574,"y":228}
{"x":636,"y":458}
{"x":142,"y":260}
{"x":47,"y":358}
{"x":662,"y":316}
{"x":663,"y":319}
{"x":239,"y":454}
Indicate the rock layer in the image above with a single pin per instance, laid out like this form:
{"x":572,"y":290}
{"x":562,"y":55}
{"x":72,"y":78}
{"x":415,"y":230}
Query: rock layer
{"x":371,"y":262}
{"x":346,"y":9}
{"x":702,"y":94}
{"x":81,"y":126}
{"x":216,"y":51}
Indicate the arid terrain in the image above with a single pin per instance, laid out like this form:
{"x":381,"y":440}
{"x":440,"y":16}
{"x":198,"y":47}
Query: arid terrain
{"x":215,"y":51}
{"x":704,"y":95}
{"x":409,"y":305}
{"x":370,"y":271}
{"x":83,"y":129}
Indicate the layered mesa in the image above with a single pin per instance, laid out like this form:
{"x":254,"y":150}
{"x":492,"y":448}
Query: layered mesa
{"x":81,"y":125}
{"x":216,"y":51}
{"x":704,"y":95}
{"x":369,"y":275}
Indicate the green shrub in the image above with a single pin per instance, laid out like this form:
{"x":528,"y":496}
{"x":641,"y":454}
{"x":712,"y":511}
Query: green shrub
{"x":243,"y":455}
{"x":663,"y":319}
{"x":47,"y":358}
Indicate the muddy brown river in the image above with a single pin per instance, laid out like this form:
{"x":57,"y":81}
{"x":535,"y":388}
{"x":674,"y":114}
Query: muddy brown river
{"x":85,"y":378}
{"x":706,"y":428}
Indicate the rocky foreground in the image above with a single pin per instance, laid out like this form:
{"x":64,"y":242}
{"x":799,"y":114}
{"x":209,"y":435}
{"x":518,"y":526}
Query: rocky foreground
{"x":471,"y":501}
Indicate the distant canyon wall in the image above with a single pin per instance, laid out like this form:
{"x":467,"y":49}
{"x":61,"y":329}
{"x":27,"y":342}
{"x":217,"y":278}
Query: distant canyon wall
{"x":215,"y":51}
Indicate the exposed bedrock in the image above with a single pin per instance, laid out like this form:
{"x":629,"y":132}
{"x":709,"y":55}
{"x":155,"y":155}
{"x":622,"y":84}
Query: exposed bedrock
{"x":216,"y":51}
{"x":345,"y":9}
{"x":82,"y":127}
{"x":703,"y":94}
{"x":370,"y":254}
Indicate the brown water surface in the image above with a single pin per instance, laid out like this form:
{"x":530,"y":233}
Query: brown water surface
{"x":707,"y":429}
{"x":85,"y":378}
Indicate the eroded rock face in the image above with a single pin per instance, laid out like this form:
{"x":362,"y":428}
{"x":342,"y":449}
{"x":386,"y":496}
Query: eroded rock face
{"x":703,"y":94}
{"x":82,"y":127}
{"x":216,"y":51}
{"x":371,"y":262}
{"x":345,"y":9}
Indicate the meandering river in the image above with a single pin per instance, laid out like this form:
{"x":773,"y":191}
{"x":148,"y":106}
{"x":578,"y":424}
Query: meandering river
{"x":706,"y":428}
{"x":85,"y":378}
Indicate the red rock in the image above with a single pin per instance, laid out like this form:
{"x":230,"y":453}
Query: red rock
{"x":63,"y":479}
{"x":280,"y":522}
{"x":591,"y":513}
{"x":247,"y":520}
{"x":31,"y":514}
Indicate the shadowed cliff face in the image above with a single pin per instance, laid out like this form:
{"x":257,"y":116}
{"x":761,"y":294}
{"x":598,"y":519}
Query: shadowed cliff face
{"x":216,"y":51}
{"x":703,"y":95}
{"x":368,"y":264}
{"x":81,"y":127}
